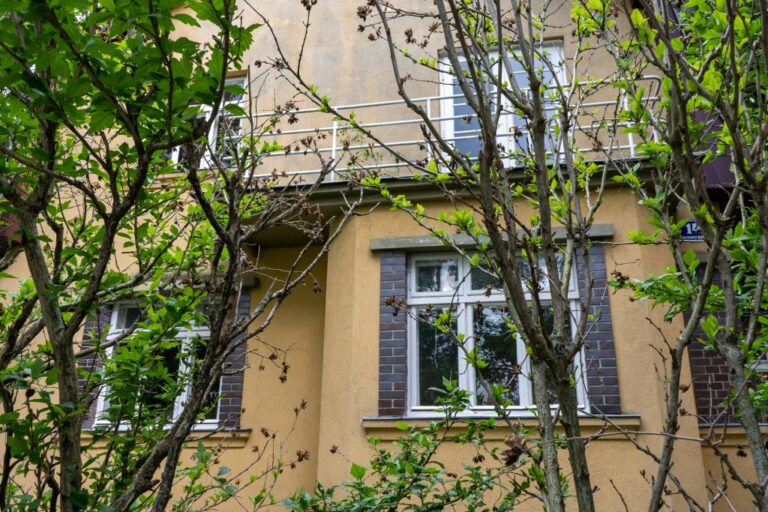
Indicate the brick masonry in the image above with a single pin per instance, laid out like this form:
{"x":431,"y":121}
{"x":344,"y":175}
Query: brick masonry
{"x":710,"y":381}
{"x":601,"y":370}
{"x":602,"y":377}
{"x":709,"y":372}
{"x":393,"y":328}
{"x":231,"y":390}
{"x":231,"y":401}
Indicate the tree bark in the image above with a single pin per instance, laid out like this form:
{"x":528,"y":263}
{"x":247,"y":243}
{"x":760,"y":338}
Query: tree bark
{"x":69,"y":424}
{"x":577,"y":456}
{"x":553,"y":497}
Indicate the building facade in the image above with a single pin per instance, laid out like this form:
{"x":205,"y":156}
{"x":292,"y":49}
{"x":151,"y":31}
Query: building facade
{"x":359,"y":367}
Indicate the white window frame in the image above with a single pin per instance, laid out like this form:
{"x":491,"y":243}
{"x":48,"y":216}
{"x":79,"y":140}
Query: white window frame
{"x":207,"y":160}
{"x":186,"y":336}
{"x":463,"y":300}
{"x":506,"y":126}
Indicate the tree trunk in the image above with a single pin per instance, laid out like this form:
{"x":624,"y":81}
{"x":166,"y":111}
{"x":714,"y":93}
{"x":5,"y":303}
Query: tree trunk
{"x":553,"y":494}
{"x":69,"y":424}
{"x":671,"y":427}
{"x":577,"y":456}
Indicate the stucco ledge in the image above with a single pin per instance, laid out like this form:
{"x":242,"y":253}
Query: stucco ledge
{"x":614,"y":428}
{"x":224,"y":438}
{"x":730,"y":436}
{"x":431,"y":243}
{"x":214,"y":438}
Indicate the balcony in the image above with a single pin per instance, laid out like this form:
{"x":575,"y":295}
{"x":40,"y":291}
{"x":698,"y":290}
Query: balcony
{"x":397,"y":134}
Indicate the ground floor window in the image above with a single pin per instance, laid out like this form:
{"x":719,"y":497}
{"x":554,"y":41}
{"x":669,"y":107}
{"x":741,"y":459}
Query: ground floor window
{"x":154,"y":378}
{"x":460,"y":329}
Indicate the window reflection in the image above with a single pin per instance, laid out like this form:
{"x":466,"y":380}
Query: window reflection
{"x":438,"y":356}
{"x":496,"y":345}
{"x":437,"y":275}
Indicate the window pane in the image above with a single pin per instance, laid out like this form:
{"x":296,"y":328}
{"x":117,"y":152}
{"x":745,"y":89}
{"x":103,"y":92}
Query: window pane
{"x":228,"y":133}
{"x":496,"y":345}
{"x":551,"y":141}
{"x":164,"y":370}
{"x":211,"y":406}
{"x":129,"y":316}
{"x":229,"y":127}
{"x":482,"y":278}
{"x":467,"y":120}
{"x":438,"y":357}
{"x":521,"y":76}
{"x":527,"y":275}
{"x":437,"y":275}
{"x":467,"y":144}
{"x":466,"y":128}
{"x":519,"y":133}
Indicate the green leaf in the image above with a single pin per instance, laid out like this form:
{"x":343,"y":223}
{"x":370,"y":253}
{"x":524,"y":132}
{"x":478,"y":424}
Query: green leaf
{"x":100,"y":120}
{"x":691,"y":259}
{"x":52,"y":377}
{"x":216,"y":63}
{"x":186,"y":19}
{"x":80,"y":499}
{"x":357,"y":471}
{"x":19,"y":446}
{"x":711,"y":327}
{"x":8,"y":417}
{"x":235,"y":110}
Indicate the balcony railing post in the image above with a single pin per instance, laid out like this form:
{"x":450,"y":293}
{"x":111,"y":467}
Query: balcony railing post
{"x":333,"y":149}
{"x":630,"y":125}
{"x":429,"y":116}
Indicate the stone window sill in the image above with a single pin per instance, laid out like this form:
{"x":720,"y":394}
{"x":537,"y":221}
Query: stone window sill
{"x":387,"y":428}
{"x":224,"y":438}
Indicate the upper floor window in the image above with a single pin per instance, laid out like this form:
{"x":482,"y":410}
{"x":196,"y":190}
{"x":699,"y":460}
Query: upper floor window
{"x":460,"y":124}
{"x":227,"y":129}
{"x":226,"y":133}
{"x":480,"y":327}
{"x":156,"y":368}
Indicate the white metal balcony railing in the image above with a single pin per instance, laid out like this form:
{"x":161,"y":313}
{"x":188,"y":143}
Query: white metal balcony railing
{"x":599,"y":130}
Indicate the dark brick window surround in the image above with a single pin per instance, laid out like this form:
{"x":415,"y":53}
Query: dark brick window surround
{"x":709,"y":371}
{"x":393,"y":343}
{"x":711,"y":383}
{"x":601,"y":370}
{"x":231,"y":399}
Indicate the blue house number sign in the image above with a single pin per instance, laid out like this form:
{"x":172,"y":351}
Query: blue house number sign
{"x":691,"y":232}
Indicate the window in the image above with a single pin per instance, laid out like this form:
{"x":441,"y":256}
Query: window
{"x":226,"y":130}
{"x":176,"y":358}
{"x":459,"y":122}
{"x":442,"y":281}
